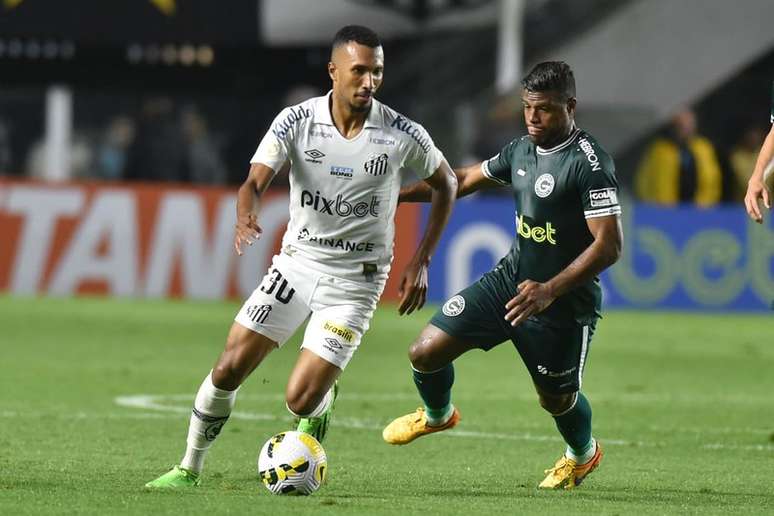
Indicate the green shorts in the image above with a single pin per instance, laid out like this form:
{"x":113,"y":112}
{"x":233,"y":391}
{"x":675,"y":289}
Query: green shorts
{"x":555,"y":355}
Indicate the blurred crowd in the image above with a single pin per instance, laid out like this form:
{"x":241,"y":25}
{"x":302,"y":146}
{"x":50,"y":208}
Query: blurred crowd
{"x":165,"y":140}
{"x":681,"y":166}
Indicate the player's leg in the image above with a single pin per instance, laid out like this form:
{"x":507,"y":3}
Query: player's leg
{"x":556,"y":358}
{"x":311,"y":393}
{"x":265,"y":322}
{"x":244,"y":350}
{"x":342,"y":311}
{"x":432,"y":356}
{"x":468,"y":320}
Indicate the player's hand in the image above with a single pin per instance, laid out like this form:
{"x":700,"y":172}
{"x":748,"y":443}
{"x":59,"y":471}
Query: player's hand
{"x":756,"y":191}
{"x":533,"y":298}
{"x":247,"y":231}
{"x":413,"y":288}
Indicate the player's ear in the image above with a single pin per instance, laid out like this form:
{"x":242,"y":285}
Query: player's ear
{"x":571,"y":102}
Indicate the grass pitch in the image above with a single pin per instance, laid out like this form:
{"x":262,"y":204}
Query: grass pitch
{"x":95,"y":396}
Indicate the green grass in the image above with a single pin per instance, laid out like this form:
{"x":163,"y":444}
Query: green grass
{"x":682,"y":402}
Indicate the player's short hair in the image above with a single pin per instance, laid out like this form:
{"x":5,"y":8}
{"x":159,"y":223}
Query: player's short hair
{"x":356,"y":33}
{"x":554,"y":76}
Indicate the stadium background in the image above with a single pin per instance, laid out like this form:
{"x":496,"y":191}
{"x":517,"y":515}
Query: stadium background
{"x":125,"y":127}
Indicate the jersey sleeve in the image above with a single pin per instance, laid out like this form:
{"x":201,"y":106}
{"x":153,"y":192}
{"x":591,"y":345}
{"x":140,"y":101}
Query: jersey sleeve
{"x":423,"y":157}
{"x":598,"y":187}
{"x":498,"y":167}
{"x":273,"y":151}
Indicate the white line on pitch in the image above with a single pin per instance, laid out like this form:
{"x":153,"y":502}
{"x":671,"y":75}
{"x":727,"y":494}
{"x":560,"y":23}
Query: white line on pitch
{"x":597,"y":397}
{"x":153,"y":402}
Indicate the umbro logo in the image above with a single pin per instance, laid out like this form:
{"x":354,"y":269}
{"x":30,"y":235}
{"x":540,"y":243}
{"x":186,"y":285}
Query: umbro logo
{"x":314,"y":156}
{"x":332,"y":345}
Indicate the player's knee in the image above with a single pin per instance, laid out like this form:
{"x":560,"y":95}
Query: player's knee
{"x":226,"y":375}
{"x":301,"y":401}
{"x":421,"y":356}
{"x":229,"y":371}
{"x":556,"y":404}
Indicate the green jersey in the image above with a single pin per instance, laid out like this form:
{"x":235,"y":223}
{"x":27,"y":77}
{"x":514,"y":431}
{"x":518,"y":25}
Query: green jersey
{"x":556,"y":190}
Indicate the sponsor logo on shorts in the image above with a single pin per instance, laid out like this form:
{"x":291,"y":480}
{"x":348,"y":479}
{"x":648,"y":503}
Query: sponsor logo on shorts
{"x":341,"y":331}
{"x":553,"y":374}
{"x":544,"y":185}
{"x":332,"y":345}
{"x":344,"y":173}
{"x":454,"y":306}
{"x":603,"y":197}
{"x":258,"y":313}
{"x":377,"y":165}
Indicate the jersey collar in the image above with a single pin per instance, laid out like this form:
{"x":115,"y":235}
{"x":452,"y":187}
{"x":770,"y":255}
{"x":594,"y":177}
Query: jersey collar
{"x":322,"y":115}
{"x":575,"y":132}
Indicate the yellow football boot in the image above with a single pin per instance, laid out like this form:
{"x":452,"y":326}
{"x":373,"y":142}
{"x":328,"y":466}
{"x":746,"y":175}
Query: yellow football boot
{"x":407,"y":428}
{"x":566,"y":474}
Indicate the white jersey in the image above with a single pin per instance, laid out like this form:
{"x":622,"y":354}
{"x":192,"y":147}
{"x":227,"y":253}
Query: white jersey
{"x":344,"y":193}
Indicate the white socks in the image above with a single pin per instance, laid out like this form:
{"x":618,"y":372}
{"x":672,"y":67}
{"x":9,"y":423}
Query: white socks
{"x":324,"y":404}
{"x":585,"y":457}
{"x":211,"y":410}
{"x":439,"y":421}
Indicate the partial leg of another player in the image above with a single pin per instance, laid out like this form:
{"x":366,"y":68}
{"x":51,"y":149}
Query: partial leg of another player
{"x":432,"y":356}
{"x":244,"y":350}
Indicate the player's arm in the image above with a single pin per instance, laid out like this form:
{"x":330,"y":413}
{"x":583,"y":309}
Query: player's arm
{"x":756,"y":187}
{"x":442,"y":185}
{"x":604,"y":251}
{"x":248,"y":198}
{"x":469,"y":180}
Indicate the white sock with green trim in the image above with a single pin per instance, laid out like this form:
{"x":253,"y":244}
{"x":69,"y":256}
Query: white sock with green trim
{"x":210,"y":412}
{"x":584,"y":457}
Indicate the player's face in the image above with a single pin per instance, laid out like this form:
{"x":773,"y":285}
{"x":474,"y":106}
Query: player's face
{"x":549,"y":119}
{"x":356,"y":71}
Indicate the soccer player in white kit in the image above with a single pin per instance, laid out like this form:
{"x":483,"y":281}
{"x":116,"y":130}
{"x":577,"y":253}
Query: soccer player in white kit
{"x":347,"y":152}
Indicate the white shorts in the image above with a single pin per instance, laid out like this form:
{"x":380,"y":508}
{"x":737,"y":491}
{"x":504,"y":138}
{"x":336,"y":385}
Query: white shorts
{"x":340,"y":309}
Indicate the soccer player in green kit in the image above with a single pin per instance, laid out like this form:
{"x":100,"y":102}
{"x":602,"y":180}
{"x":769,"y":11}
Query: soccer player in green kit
{"x":544,"y":295}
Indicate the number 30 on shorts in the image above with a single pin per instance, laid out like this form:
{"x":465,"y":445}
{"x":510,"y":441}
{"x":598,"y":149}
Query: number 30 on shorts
{"x":275,"y":283}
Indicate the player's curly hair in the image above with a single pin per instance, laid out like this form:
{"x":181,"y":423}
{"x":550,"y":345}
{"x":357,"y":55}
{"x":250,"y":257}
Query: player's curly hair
{"x":358,"y":34}
{"x":554,"y":76}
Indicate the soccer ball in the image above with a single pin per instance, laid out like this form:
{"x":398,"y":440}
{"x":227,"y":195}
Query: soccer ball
{"x":292,"y":463}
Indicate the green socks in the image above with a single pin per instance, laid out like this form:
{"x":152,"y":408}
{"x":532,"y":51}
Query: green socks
{"x":575,"y":427}
{"x":435,"y":390}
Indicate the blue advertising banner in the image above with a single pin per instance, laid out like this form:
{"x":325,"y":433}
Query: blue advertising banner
{"x":685,"y":258}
